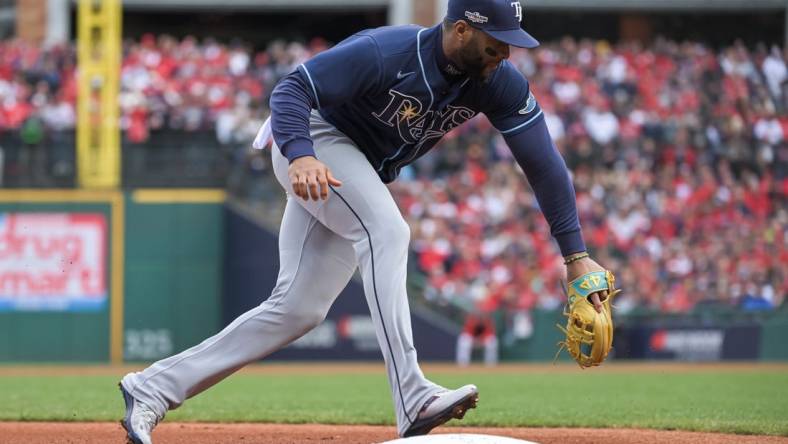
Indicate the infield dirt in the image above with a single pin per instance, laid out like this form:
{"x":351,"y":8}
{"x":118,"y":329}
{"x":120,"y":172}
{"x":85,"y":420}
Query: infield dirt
{"x":197,"y":433}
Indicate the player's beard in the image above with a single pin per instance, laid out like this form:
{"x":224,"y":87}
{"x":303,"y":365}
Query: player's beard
{"x":471,"y":60}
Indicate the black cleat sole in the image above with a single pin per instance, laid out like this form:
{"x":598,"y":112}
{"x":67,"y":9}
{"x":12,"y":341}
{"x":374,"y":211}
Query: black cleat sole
{"x":455,"y":411}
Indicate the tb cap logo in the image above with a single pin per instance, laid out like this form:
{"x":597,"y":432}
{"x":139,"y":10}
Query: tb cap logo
{"x":500,"y":19}
{"x":518,"y":10}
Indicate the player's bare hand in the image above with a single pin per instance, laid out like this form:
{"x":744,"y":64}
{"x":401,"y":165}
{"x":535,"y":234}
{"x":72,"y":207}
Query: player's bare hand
{"x":580,"y":267}
{"x":311,"y":178}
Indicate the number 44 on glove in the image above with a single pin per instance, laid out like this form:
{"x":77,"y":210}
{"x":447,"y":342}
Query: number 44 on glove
{"x":589,"y":335}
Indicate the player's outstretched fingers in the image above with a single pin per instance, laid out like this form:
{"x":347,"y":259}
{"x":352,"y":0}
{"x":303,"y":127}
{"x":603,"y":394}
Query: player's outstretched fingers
{"x":311,"y":183}
{"x":295,"y":182}
{"x":304,"y":188}
{"x":323,"y":183}
{"x":303,"y":193}
{"x":310,"y":178}
{"x":334,"y":182}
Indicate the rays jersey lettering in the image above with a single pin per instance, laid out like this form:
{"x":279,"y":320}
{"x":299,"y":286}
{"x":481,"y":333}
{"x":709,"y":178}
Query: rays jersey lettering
{"x":416,"y":126}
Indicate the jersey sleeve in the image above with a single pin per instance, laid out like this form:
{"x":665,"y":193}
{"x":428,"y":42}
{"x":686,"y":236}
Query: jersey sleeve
{"x":549,"y":178}
{"x":509,"y":103}
{"x":350,"y":69}
{"x":291,"y":104}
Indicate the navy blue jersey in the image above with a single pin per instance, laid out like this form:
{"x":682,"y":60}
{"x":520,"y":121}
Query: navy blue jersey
{"x":389,"y":90}
{"x":384,"y":89}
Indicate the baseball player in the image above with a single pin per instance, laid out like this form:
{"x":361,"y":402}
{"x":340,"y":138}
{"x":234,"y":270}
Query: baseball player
{"x":344,"y":124}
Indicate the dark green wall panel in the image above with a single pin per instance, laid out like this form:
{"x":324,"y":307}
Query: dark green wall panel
{"x":173,"y":276}
{"x":774,"y":338}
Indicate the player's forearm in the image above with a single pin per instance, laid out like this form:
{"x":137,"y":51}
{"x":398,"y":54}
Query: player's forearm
{"x":546,"y":172}
{"x":291,"y":105}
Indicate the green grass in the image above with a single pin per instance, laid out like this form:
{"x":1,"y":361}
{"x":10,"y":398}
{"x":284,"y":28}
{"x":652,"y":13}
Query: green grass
{"x":751,"y":402}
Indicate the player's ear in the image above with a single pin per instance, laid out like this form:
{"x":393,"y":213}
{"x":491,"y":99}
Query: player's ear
{"x":462,"y":30}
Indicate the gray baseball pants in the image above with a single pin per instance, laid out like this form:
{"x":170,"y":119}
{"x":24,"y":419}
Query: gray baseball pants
{"x":320,"y":245}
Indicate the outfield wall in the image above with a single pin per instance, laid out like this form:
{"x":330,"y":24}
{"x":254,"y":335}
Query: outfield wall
{"x":111,"y":276}
{"x":108,"y":276}
{"x":727,"y":334}
{"x":173,"y":271}
{"x":61,"y":318}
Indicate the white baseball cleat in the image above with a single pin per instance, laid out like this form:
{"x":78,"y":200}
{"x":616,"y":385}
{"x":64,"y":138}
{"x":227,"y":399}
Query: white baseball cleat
{"x":139,"y":420}
{"x":443,"y":407}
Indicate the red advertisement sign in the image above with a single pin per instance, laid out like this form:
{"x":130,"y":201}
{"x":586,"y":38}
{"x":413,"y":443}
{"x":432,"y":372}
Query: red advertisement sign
{"x":53,"y":261}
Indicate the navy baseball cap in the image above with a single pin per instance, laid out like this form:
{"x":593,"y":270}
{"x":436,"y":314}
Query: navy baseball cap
{"x":500,"y":19}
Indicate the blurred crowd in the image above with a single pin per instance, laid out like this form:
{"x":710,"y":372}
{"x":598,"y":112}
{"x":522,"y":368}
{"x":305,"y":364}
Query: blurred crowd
{"x":37,"y":83}
{"x":679,"y":160}
{"x":678,"y":153}
{"x":166,"y":83}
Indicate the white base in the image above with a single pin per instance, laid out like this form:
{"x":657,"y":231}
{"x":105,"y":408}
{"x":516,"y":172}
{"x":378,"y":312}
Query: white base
{"x":459,"y":439}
